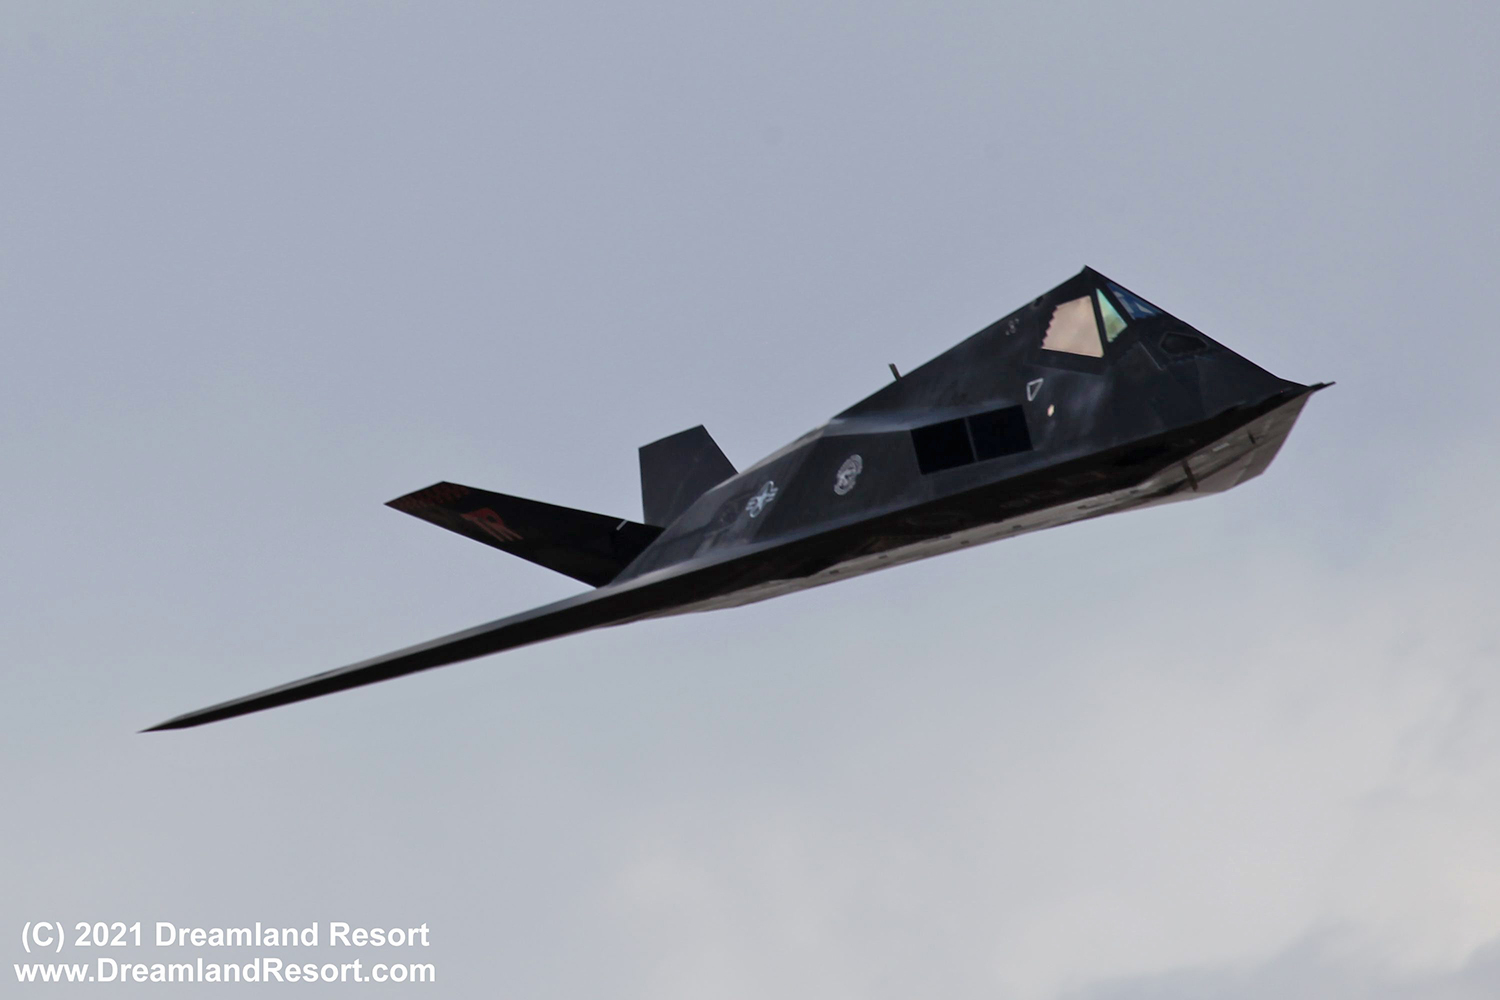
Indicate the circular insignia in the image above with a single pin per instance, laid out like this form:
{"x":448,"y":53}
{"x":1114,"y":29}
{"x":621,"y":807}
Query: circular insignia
{"x":848,"y":474}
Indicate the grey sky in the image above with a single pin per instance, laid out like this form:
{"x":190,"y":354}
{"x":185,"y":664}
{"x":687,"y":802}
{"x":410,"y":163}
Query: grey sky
{"x":264,"y":267}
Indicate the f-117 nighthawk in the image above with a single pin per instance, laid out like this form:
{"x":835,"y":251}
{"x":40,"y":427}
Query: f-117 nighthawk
{"x":1090,"y":400}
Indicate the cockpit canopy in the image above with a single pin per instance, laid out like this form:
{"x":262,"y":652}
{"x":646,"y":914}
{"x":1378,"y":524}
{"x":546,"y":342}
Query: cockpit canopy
{"x":1084,"y":325}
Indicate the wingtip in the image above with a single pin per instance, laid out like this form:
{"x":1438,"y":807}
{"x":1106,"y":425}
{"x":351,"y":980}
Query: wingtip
{"x":187,"y":720}
{"x":419,"y":500}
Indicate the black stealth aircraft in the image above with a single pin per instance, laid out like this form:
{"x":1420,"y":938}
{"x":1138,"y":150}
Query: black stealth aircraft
{"x":1088,"y":401}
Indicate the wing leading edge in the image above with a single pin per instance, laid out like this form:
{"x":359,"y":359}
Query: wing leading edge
{"x":575,"y":614}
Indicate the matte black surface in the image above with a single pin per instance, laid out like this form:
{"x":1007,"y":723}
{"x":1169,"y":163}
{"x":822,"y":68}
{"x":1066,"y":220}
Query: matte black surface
{"x":997,"y":433}
{"x":943,"y":445}
{"x":593,"y":548}
{"x":994,"y":437}
{"x":677,"y":470}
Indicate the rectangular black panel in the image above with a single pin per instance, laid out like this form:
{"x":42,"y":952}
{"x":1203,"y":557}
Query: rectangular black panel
{"x":942,"y":446}
{"x":1000,"y":432}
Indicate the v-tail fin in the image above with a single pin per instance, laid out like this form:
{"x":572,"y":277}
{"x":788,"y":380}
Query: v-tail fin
{"x":590,"y":547}
{"x":677,"y":470}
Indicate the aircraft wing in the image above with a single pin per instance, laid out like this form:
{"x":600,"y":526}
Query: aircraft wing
{"x":575,"y":614}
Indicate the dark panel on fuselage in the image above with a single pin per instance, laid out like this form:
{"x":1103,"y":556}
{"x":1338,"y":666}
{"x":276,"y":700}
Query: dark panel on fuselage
{"x":847,"y":478}
{"x":943,"y":445}
{"x":997,"y":433}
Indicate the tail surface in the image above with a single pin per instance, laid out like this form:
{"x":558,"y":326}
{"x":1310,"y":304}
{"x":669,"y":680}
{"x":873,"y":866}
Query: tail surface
{"x":593,"y":548}
{"x":677,"y":470}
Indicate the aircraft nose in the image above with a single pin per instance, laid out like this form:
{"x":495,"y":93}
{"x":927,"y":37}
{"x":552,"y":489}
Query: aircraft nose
{"x":1225,"y":379}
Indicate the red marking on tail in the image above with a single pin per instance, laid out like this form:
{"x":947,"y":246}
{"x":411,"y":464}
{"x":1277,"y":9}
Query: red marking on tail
{"x":491,"y":524}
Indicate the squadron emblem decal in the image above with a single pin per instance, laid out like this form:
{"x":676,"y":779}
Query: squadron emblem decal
{"x":848,"y":473}
{"x":761,"y":500}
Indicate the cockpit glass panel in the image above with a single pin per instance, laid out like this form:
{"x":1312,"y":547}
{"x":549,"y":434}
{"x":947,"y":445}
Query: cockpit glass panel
{"x":1135,"y":308}
{"x":1113,"y":323}
{"x":1073,"y":330}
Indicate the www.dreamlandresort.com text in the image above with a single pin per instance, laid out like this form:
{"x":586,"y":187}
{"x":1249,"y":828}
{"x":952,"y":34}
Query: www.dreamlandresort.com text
{"x":166,"y":953}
